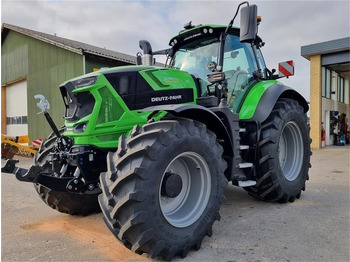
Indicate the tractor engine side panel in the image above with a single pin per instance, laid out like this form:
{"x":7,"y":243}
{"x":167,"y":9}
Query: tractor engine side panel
{"x":153,"y":87}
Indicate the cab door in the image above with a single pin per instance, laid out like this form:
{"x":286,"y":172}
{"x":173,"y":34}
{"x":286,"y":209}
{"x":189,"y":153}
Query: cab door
{"x":239,"y":66}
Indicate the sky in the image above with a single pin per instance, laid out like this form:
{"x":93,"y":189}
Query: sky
{"x":119,"y":25}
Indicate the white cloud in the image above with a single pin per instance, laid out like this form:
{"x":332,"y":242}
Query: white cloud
{"x":119,"y":25}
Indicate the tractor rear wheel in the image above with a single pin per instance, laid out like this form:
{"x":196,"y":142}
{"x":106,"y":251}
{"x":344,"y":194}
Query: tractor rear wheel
{"x":163,"y":188}
{"x":64,"y":202}
{"x":284,"y":154}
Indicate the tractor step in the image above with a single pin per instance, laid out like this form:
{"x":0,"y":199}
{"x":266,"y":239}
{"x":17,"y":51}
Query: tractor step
{"x":245,"y":165}
{"x":242,"y":130}
{"x":243,"y":147}
{"x":246,"y":183}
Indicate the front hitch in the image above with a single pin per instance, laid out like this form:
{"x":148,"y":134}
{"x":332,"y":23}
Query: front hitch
{"x":9,"y":166}
{"x":22,"y":174}
{"x":35,"y":174}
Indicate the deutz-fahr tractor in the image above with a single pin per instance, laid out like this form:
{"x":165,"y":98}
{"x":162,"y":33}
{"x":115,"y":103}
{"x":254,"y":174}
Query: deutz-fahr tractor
{"x":154,"y":147}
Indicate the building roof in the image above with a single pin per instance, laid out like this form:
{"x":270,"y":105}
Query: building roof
{"x":335,"y":54}
{"x":71,"y":45}
{"x":333,"y":46}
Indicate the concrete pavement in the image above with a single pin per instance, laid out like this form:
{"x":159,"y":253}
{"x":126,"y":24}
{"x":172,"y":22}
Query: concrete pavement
{"x":313,"y":228}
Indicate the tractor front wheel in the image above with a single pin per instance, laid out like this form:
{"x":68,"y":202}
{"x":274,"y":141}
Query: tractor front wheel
{"x":163,"y":190}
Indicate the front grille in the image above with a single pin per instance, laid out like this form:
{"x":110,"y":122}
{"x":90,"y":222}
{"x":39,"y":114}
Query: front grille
{"x":78,"y":105}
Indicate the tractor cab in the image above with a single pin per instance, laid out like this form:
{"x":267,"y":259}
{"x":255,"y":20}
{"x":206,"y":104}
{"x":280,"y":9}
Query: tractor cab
{"x":205,"y":50}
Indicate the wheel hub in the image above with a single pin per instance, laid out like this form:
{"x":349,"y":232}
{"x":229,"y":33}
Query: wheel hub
{"x":291,"y":151}
{"x":172,"y":185}
{"x":185,"y":189}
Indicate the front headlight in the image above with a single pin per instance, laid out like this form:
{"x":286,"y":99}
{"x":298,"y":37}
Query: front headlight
{"x":87,"y":81}
{"x":81,"y":127}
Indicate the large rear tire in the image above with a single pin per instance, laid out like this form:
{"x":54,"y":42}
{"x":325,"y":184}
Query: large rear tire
{"x":163,"y":188}
{"x":64,"y":202}
{"x":284,"y":154}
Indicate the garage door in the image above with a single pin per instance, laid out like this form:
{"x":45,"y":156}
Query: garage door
{"x":16,"y":109}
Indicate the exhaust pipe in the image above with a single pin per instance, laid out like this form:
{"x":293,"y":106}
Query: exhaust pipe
{"x":147,"y":58}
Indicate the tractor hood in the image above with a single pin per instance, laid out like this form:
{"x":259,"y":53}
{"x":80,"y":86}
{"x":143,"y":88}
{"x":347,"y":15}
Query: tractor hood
{"x":142,"y":86}
{"x":134,"y":87}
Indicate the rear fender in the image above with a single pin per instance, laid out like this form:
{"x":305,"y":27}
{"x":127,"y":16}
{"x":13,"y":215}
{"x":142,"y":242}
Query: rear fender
{"x":259,"y":106}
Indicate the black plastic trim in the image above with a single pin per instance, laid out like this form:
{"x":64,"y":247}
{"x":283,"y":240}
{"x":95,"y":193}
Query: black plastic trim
{"x":137,"y":93}
{"x":203,"y":115}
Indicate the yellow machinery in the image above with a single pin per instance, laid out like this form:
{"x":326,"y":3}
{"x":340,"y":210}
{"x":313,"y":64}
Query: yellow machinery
{"x":16,"y":145}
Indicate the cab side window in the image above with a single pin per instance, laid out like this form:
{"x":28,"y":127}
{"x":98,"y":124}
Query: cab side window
{"x":238,"y":66}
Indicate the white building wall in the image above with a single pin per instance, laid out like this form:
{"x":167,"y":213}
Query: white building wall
{"x":16,"y":106}
{"x":17,"y":130}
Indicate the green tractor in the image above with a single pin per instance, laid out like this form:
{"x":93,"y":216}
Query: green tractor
{"x":154,"y":147}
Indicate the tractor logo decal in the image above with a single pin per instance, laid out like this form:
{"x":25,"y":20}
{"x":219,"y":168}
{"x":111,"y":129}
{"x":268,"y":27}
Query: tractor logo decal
{"x":165,"y":98}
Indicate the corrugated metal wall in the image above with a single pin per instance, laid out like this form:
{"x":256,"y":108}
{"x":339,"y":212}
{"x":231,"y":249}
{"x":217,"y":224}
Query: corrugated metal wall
{"x":14,"y":58}
{"x":45,"y":67}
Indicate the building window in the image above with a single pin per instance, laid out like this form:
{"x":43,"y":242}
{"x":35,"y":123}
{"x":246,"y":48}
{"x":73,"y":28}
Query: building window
{"x":17,"y":120}
{"x":341,"y":88}
{"x":323,"y":81}
{"x":326,"y":82}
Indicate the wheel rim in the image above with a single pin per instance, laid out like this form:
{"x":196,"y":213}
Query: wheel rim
{"x":291,"y":151}
{"x":190,"y":202}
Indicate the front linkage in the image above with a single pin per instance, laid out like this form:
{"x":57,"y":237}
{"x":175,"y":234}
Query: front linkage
{"x":65,"y":167}
{"x":83,"y":178}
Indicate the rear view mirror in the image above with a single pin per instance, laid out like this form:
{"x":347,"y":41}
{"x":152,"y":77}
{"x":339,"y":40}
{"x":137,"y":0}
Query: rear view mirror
{"x":249,"y":24}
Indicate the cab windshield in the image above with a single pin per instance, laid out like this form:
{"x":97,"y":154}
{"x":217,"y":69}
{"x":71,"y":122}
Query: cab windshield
{"x":239,"y":64}
{"x":194,"y":56}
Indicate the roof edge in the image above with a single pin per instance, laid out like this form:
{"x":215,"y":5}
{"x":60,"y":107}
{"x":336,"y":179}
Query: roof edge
{"x":68,"y":44}
{"x":26,"y":32}
{"x":327,"y":47}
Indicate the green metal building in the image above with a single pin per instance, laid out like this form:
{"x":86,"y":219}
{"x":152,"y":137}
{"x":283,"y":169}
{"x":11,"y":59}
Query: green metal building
{"x":37,"y":63}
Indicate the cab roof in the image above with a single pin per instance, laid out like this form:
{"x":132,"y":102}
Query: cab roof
{"x":191,"y":32}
